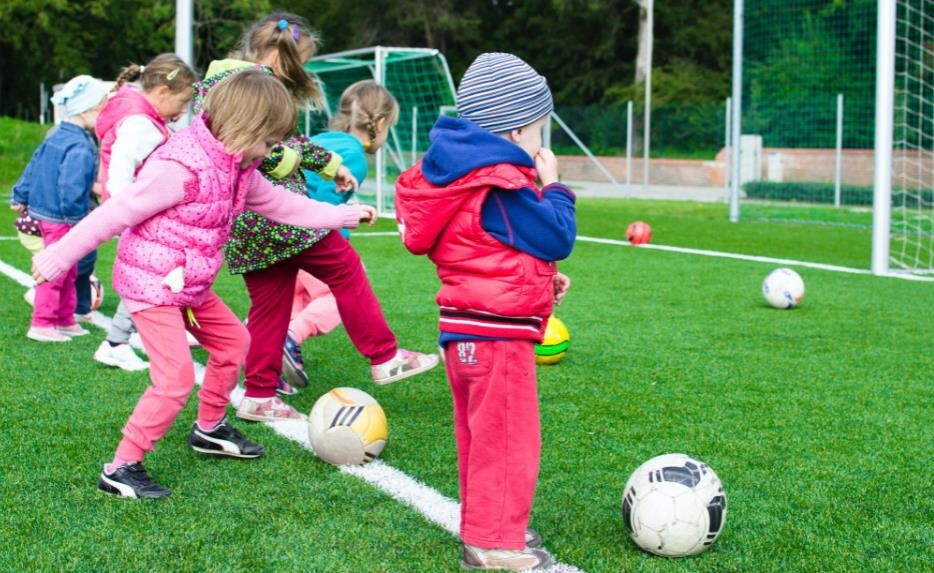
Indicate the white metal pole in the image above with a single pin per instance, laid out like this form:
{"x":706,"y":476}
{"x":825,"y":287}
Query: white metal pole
{"x":838,"y":168}
{"x":184,"y":15}
{"x":414,"y":134}
{"x":43,"y":102}
{"x":885,"y":110}
{"x":650,"y":24}
{"x":737,"y":102}
{"x":546,"y":135}
{"x":380,"y":158}
{"x":629,"y":146}
{"x":728,"y":155}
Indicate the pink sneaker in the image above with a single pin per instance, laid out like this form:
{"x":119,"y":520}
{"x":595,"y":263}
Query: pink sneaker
{"x":270,"y":410}
{"x":404,"y":364}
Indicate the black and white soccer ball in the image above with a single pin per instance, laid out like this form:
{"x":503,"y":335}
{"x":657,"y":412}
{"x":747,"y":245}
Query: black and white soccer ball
{"x":674,"y":505}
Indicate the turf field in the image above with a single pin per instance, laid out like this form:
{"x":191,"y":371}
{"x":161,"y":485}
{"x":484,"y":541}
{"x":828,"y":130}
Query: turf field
{"x":817,"y":420}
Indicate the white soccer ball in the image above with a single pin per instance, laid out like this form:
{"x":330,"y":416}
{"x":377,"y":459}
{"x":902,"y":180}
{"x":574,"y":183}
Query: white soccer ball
{"x":674,"y":505}
{"x":783,"y":288}
{"x":347,"y":426}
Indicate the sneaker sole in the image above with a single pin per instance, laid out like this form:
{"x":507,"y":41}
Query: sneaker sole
{"x":118,"y":364}
{"x":293,"y":373}
{"x":227,"y":449}
{"x":258,"y":418}
{"x":43,"y":338}
{"x":75,"y":334}
{"x":406,"y":374}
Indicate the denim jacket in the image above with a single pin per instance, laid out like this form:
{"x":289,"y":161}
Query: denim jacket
{"x":57,"y":182}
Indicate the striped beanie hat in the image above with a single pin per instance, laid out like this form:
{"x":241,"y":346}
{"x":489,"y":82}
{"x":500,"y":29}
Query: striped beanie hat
{"x":499,"y":92}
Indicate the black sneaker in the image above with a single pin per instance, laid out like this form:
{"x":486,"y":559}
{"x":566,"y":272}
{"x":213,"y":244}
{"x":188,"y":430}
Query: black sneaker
{"x":131,"y":480}
{"x":223,"y":440}
{"x":293,"y":365}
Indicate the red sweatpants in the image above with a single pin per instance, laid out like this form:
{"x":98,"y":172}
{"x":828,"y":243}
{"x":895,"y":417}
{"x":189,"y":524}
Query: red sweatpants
{"x":55,"y":300}
{"x":496,"y":425}
{"x":172,"y":372}
{"x":334,"y":262}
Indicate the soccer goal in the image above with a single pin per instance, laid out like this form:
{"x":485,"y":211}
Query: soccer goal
{"x":421,"y":82}
{"x":903,"y":218}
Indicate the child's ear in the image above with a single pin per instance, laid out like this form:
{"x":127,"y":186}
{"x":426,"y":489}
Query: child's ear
{"x":381,"y":124}
{"x":515,"y":135}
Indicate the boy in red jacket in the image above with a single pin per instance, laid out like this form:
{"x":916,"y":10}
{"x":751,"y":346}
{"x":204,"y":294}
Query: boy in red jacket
{"x":473,"y":206}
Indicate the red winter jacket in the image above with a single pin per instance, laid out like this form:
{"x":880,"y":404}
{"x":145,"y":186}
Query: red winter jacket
{"x":487,"y":287}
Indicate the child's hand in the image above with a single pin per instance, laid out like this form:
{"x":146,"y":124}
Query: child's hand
{"x":368,"y":215}
{"x":344,"y":180}
{"x":547,"y":166}
{"x":19,"y":208}
{"x":561,"y":283}
{"x":97,"y":189}
{"x":37,"y":275}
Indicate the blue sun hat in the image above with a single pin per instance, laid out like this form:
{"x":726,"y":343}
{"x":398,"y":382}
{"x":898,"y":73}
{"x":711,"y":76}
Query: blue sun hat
{"x":500,"y":92}
{"x":80,"y":94}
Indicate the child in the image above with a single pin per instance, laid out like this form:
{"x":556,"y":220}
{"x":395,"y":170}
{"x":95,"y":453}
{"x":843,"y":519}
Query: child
{"x":55,"y":190}
{"x":270,"y":255}
{"x":366,"y":113}
{"x":132,"y":125}
{"x":174,"y":219}
{"x":472,"y":205}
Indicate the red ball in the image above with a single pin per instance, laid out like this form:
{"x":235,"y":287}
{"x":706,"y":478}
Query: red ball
{"x":639,"y":233}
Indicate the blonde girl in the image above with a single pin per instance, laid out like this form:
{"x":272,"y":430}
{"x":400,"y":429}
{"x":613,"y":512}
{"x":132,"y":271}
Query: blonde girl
{"x":172,"y":223}
{"x":270,"y":255}
{"x":366,"y":112}
{"x":133,"y":123}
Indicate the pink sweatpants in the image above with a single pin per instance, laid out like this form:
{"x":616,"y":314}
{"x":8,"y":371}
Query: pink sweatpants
{"x":55,"y":300}
{"x":314,"y":308}
{"x":171,"y":369}
{"x":496,"y":425}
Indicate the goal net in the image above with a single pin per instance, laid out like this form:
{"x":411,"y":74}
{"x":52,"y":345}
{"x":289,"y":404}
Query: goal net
{"x":421,"y":82}
{"x":912,"y":211}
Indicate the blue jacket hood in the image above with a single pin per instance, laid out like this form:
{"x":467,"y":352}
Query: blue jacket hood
{"x":459,"y":146}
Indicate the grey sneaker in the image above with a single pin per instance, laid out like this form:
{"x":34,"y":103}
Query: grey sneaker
{"x":532,"y":538}
{"x":528,"y":559}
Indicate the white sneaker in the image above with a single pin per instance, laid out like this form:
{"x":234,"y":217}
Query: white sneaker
{"x":528,"y":559}
{"x":73,"y":330}
{"x":46,"y":334}
{"x":120,"y":356}
{"x":266,"y":410}
{"x":404,"y":364}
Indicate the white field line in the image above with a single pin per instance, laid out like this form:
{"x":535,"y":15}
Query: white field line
{"x":435,"y":507}
{"x":720,"y":254}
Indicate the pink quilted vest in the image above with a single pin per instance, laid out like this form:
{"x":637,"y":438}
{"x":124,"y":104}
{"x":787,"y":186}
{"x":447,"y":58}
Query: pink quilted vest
{"x":190,"y":234}
{"x":126,"y":102}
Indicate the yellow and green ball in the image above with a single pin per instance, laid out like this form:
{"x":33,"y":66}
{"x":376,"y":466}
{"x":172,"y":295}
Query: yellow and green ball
{"x":555,"y":345}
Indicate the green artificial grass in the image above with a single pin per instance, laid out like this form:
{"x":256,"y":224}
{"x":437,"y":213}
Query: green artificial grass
{"x":817,"y":420}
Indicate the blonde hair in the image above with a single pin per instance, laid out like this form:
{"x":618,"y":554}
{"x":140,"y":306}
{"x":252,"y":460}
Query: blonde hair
{"x":164,"y":70}
{"x":248,"y":107}
{"x":290,"y":36}
{"x":362,"y":105}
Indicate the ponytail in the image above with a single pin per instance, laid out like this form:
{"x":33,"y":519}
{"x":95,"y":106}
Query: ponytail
{"x":293,"y":41}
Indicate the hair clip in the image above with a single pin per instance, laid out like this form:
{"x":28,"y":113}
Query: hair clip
{"x":282,"y":24}
{"x":171,"y":75}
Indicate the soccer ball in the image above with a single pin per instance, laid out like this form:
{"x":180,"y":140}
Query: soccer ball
{"x":347,"y":426}
{"x":674,"y":505}
{"x":97,"y":292}
{"x":783,"y":288}
{"x":639,"y":233}
{"x":555,"y":344}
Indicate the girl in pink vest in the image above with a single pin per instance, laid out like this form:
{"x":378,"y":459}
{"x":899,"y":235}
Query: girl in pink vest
{"x":131,"y":126}
{"x":174,"y":220}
